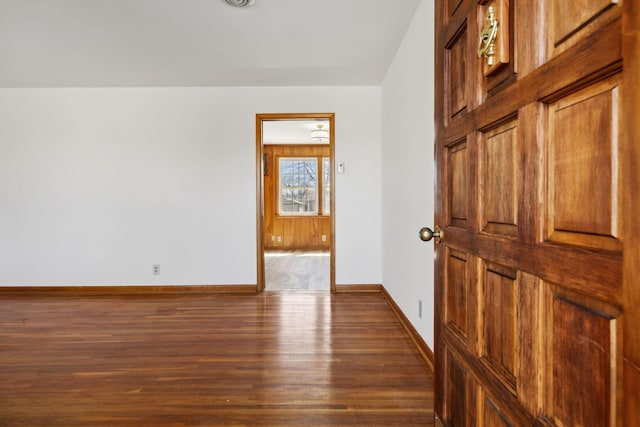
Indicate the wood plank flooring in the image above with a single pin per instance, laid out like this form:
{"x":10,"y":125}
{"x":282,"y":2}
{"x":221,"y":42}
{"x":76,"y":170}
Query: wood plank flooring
{"x":286,"y":358}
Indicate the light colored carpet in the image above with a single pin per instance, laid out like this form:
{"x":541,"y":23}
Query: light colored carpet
{"x":296,"y":270}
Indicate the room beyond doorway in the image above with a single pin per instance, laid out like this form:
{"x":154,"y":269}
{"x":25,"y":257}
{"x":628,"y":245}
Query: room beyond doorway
{"x":297,"y":270}
{"x":295,"y":220}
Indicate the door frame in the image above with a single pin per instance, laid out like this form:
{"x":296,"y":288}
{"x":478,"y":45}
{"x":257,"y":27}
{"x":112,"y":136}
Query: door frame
{"x":263,"y":117}
{"x":631,"y":225}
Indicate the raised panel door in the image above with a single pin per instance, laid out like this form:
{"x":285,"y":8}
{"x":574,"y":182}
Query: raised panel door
{"x":537,"y":188}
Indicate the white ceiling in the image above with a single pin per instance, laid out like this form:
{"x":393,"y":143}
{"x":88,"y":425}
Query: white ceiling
{"x":105,"y":43}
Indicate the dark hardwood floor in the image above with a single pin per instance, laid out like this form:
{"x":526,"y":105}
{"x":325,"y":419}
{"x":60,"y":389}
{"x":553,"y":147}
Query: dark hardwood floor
{"x":286,"y":358}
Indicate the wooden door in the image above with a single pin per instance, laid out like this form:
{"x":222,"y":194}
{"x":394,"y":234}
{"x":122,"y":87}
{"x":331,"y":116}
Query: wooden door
{"x":537,"y":184}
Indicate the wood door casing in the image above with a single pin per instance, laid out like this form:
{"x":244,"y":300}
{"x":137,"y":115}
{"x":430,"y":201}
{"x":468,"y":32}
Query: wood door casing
{"x":260,"y":233}
{"x":532,"y":308}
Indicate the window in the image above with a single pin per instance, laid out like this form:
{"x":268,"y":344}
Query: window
{"x":298,"y":186}
{"x":303,"y":188}
{"x":326,"y":186}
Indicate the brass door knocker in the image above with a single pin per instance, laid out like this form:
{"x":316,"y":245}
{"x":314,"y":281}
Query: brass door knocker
{"x":487,"y":41}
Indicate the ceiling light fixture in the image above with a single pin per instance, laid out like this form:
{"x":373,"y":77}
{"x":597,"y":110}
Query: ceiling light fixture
{"x":239,"y":3}
{"x":320,"y":135}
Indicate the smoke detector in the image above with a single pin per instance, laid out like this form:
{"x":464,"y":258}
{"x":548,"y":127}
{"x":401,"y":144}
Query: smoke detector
{"x":239,"y":3}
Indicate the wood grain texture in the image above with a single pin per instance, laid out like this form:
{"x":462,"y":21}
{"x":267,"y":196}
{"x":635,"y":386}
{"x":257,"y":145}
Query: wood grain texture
{"x":290,"y":231}
{"x":583,"y":158}
{"x":270,"y":359}
{"x":457,"y":80}
{"x":630,"y":157}
{"x":549,"y":213}
{"x":499,"y":322}
{"x":456,"y":391}
{"x":456,"y":293}
{"x":358,"y":288}
{"x":500,"y":180}
{"x":492,"y":415}
{"x":453,"y":5}
{"x":591,"y":59}
{"x":570,"y":17}
{"x":458,"y":183}
{"x":582,"y":341}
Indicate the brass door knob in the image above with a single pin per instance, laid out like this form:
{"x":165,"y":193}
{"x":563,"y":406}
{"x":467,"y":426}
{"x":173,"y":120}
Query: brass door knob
{"x":427,"y":234}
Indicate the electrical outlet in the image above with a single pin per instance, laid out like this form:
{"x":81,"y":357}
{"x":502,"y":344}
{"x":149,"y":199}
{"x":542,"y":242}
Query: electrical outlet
{"x":155,"y":269}
{"x":324,"y":237}
{"x":279,"y":238}
{"x":420,"y":308}
{"x":273,"y":238}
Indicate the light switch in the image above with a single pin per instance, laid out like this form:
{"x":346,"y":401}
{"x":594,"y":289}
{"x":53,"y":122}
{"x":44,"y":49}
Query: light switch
{"x":340,"y":167}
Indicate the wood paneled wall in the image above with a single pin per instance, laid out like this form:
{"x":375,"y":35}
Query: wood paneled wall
{"x":292,"y":232}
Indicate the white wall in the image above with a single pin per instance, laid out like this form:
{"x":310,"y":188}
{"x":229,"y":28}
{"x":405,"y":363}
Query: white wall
{"x":96,"y":185}
{"x":408,"y":172}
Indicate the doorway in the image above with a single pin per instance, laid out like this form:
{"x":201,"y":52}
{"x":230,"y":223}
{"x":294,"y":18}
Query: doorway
{"x":295,"y":204}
